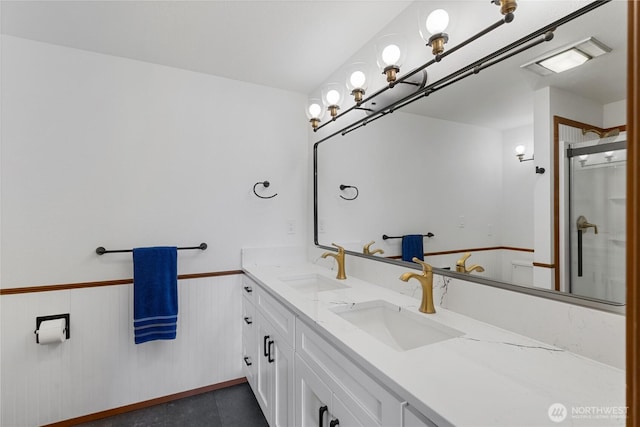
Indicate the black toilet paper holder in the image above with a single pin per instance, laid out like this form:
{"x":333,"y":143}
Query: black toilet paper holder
{"x":67,"y":320}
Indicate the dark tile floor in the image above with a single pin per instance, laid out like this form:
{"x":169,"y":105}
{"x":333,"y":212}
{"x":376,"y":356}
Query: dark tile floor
{"x":229,"y":407}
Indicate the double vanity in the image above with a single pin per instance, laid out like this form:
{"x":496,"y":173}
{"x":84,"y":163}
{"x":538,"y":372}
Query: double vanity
{"x":319,"y":351}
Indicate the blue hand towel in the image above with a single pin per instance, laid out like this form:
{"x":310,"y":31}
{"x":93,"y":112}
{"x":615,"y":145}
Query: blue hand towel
{"x":412,"y":247}
{"x":155,"y":293}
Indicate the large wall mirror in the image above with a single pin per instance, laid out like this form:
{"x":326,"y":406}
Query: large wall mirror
{"x":445,"y":168}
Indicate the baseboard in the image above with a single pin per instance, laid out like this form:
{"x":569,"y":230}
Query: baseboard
{"x":145,"y":404}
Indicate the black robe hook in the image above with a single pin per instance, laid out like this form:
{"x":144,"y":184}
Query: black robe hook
{"x":265,"y":184}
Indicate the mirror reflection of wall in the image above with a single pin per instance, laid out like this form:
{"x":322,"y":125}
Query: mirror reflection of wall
{"x":460,"y":182}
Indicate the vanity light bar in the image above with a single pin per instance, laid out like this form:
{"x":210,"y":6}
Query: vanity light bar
{"x":581,"y":51}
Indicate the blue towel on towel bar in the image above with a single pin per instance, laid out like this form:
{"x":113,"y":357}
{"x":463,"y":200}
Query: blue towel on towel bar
{"x":155,"y":293}
{"x":412,"y":247}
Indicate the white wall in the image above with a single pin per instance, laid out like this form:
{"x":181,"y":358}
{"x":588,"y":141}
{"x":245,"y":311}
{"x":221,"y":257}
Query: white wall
{"x":403,"y":168}
{"x":100,"y":367}
{"x":105,"y":151}
{"x":518,"y":179}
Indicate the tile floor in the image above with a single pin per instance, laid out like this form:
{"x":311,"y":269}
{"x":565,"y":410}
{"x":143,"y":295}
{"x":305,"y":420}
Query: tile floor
{"x":229,"y":407}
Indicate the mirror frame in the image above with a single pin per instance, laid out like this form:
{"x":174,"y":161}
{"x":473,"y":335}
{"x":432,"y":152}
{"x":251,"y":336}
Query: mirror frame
{"x":633,"y":211}
{"x":551,"y":294}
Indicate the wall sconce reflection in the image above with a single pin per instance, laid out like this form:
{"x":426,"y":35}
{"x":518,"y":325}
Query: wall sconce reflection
{"x":520,"y":150}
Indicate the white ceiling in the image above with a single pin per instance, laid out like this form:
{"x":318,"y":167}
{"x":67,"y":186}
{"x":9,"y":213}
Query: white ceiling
{"x":299,"y":45}
{"x":292,"y":45}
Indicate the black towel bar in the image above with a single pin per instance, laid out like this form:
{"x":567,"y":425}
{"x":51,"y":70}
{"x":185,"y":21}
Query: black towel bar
{"x":101,"y":250}
{"x":385,"y":237}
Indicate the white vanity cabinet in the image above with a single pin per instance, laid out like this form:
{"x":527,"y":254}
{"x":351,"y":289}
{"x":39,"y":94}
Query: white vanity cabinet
{"x":325,"y":377}
{"x":300,"y":379}
{"x":271,"y":347}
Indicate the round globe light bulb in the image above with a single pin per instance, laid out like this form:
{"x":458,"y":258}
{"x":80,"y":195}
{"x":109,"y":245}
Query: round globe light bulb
{"x":583,"y":157}
{"x":357,"y":79}
{"x":315,"y":110}
{"x":608,"y":153}
{"x":520,"y":149}
{"x":391,"y":54}
{"x":333,"y":96}
{"x":437,"y":21}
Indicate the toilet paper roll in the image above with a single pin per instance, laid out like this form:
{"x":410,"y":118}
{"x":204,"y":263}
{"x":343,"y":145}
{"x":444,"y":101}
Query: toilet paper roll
{"x":51,"y":331}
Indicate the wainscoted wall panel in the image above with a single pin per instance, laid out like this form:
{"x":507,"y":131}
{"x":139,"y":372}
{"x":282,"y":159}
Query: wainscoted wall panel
{"x":100,"y":367}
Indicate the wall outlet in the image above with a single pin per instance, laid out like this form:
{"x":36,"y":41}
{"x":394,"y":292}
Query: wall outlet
{"x":321,"y":227}
{"x":291,"y":226}
{"x":461,"y":221}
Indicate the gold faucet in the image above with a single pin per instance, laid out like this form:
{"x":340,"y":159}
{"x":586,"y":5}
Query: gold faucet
{"x":462,"y":268}
{"x":426,"y":280}
{"x":367,"y":249}
{"x":340,"y":259}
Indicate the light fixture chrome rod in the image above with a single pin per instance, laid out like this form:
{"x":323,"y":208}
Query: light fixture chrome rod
{"x":429,"y":88}
{"x":507,"y":51}
{"x":479,"y":66}
{"x":382,"y":114}
{"x":450,"y":79}
{"x":353,"y":107}
{"x":438,"y":58}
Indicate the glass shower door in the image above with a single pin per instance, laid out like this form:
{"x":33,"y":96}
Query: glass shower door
{"x":597,"y":209}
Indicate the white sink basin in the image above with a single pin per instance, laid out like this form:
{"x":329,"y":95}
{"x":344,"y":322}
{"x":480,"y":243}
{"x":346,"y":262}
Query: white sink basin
{"x":312,"y":283}
{"x":399,"y":329}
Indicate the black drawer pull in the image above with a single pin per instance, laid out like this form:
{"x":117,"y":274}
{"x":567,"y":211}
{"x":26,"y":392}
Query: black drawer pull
{"x":248,"y":320}
{"x":248,"y":289}
{"x":334,"y":423}
{"x":269,"y":359}
{"x":321,"y":412}
{"x":264,"y":345}
{"x":246,"y":361}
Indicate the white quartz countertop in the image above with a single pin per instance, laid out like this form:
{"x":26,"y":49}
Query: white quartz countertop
{"x":486,"y":377}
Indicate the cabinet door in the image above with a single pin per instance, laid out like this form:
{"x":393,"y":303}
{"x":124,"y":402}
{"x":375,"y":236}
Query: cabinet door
{"x":274,"y":377}
{"x":313,"y":397}
{"x":263,"y":367}
{"x":281,"y":357}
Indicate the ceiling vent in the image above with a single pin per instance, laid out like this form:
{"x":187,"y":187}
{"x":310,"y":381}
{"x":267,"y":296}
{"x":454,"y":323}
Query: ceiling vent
{"x":567,"y":57}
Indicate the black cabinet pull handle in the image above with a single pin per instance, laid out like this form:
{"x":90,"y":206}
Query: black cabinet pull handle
{"x":246,"y":361}
{"x":248,"y":289}
{"x":264,"y":345}
{"x":321,"y":412}
{"x":334,"y":423}
{"x":269,"y":359}
{"x":248,"y":320}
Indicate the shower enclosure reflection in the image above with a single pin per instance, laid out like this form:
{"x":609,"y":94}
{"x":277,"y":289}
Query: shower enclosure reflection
{"x":595,"y":220}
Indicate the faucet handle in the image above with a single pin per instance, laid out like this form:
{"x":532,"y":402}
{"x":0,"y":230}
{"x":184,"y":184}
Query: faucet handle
{"x":340,"y":248}
{"x":426,"y":268}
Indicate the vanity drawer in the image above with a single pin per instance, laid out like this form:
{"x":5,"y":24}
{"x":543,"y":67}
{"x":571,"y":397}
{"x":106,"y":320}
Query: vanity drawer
{"x":248,"y":318}
{"x":275,"y":313}
{"x":248,"y":288}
